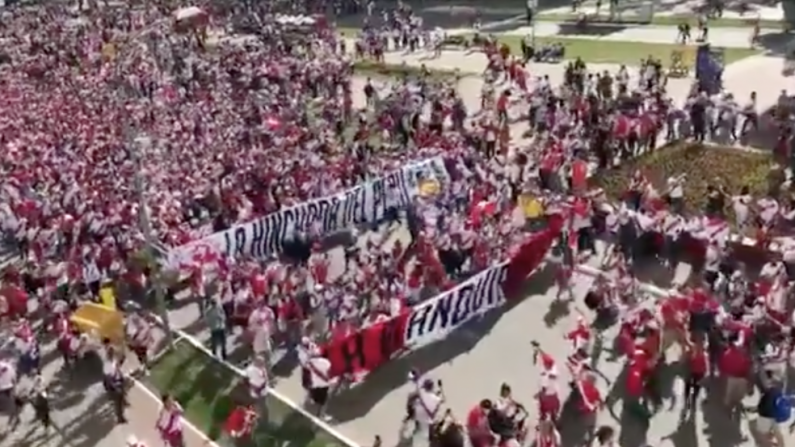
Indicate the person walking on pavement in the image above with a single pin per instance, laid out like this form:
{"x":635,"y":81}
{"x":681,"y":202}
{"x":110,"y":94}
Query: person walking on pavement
{"x":215,"y":317}
{"x":169,"y":422}
{"x":773,"y":409}
{"x":114,"y":381}
{"x":697,"y":370}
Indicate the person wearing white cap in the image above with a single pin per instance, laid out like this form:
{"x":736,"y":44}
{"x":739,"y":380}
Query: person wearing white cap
{"x":132,"y":441}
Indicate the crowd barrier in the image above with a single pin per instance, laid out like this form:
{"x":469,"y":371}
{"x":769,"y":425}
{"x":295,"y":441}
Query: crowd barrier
{"x":433,"y":320}
{"x":364,"y":204}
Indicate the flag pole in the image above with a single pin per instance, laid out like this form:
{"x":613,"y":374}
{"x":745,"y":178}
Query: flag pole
{"x":138,"y":144}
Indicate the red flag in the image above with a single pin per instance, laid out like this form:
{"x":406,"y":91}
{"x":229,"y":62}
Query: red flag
{"x":481,"y":210}
{"x":531,"y":254}
{"x":240,"y":422}
{"x":579,"y":175}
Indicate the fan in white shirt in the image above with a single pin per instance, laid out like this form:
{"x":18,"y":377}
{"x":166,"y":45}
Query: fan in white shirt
{"x":260,"y":323}
{"x":645,"y":222}
{"x":428,"y":405}
{"x":8,"y":376}
{"x":673,"y":225}
{"x":257,"y":376}
{"x":741,"y":208}
{"x":676,"y":187}
{"x":772,"y":270}
{"x":768,"y":210}
{"x":320,"y":380}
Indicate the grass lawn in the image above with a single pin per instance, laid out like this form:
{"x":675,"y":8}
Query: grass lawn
{"x":727,"y":166}
{"x":616,"y":52}
{"x":348,"y":32}
{"x":663,"y":20}
{"x":208,"y":391}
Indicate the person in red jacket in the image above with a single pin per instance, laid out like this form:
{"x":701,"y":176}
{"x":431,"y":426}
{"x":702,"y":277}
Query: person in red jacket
{"x":478,"y":425}
{"x":590,"y":402}
{"x":735,"y":366}
{"x":240,"y":422}
{"x":697,"y":363}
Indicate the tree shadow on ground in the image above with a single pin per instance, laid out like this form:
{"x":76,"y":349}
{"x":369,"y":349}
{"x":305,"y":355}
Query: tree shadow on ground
{"x":70,"y":383}
{"x":92,"y":425}
{"x":766,"y":135}
{"x":775,"y":43}
{"x":722,"y":426}
{"x":598,"y":30}
{"x":356,"y":402}
{"x":685,"y":434}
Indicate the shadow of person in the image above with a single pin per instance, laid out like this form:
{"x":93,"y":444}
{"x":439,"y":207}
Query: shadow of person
{"x":722,"y":424}
{"x":685,"y":434}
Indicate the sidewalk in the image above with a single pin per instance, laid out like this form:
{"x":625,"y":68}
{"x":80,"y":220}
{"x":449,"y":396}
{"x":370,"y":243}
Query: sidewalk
{"x":722,"y":37}
{"x":83,"y":416}
{"x":762,"y":74}
{"x":669,"y":8}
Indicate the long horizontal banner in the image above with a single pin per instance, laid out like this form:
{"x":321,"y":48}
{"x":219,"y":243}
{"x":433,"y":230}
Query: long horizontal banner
{"x":363,"y":204}
{"x":437,"y":318}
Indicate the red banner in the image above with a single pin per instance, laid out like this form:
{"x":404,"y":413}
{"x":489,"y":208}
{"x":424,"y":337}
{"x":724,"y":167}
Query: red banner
{"x":369,"y":348}
{"x":375,"y":345}
{"x":530,"y":255}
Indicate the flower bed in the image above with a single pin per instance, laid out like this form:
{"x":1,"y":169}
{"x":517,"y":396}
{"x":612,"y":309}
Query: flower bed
{"x":704,"y":165}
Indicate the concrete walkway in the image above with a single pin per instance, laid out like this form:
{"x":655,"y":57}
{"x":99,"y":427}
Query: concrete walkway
{"x":82,"y":415}
{"x":722,"y":37}
{"x":670,"y":8}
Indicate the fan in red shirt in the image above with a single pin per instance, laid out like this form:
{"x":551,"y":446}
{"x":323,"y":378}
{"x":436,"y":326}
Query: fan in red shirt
{"x":547,"y":435}
{"x":697,"y":369}
{"x":240,"y":422}
{"x":478,"y":425}
{"x":735,"y":367}
{"x":589,"y":403}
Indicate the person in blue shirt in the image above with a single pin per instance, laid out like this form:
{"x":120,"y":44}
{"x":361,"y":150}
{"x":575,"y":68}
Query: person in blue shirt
{"x":773,"y":409}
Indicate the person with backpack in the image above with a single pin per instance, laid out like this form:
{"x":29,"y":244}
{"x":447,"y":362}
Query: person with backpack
{"x":774,"y":408}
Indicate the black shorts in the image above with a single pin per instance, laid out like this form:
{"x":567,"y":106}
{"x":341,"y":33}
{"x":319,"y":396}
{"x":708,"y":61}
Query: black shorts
{"x":710,"y":277}
{"x":319,"y":395}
